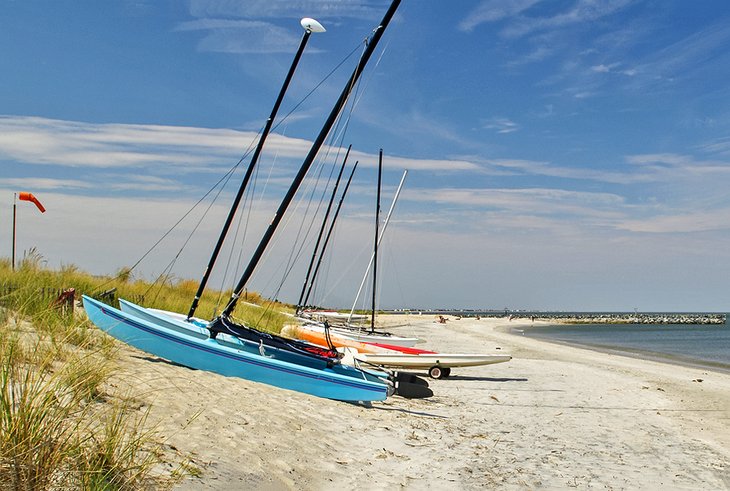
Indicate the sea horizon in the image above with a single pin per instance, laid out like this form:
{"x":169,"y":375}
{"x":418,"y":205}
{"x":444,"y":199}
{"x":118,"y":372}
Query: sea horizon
{"x":697,"y":345}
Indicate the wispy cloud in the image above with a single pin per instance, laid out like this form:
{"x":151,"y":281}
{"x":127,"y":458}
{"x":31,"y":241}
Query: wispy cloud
{"x":34,"y":140}
{"x":243,"y":36}
{"x":518,"y":24}
{"x":169,"y":150}
{"x":494,"y":10}
{"x":235,"y":27}
{"x":535,"y":201}
{"x":46,"y":184}
{"x":581,"y":12}
{"x":685,"y":57}
{"x":252,"y":9}
{"x":501,"y":125}
{"x":700,"y":221}
{"x":720,"y":146}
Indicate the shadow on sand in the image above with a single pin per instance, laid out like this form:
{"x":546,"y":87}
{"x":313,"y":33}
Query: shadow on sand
{"x":485,"y":379}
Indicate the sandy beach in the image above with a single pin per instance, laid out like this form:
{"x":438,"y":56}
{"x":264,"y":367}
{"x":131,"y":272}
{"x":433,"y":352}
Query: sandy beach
{"x":555,"y":417}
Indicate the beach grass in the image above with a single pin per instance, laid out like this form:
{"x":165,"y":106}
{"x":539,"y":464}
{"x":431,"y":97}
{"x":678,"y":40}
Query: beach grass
{"x":61,"y":424}
{"x":60,"y":429}
{"x":35,"y":292}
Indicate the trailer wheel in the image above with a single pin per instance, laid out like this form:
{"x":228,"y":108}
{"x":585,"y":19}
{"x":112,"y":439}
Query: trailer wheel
{"x":446,"y":371}
{"x":436,"y":372}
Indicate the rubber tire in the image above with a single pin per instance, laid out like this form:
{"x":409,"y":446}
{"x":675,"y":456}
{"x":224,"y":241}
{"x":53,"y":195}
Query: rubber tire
{"x":446,"y":371}
{"x":436,"y":372}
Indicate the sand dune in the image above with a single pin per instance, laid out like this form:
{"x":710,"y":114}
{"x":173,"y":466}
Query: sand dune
{"x":554,"y":417}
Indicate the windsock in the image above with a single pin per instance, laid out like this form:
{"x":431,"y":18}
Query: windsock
{"x":29,"y":197}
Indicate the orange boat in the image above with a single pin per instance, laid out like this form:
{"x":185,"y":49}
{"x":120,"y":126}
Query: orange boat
{"x":316,"y":335}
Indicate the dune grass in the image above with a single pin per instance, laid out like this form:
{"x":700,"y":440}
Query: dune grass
{"x":30,"y":290}
{"x":60,"y":428}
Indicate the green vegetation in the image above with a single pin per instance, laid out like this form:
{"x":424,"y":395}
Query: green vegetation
{"x":61,"y":426}
{"x":31,"y":289}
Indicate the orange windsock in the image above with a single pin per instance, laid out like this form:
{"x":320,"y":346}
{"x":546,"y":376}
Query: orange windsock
{"x":29,"y":197}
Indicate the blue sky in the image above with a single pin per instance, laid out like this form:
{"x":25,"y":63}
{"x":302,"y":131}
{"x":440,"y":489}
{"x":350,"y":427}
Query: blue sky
{"x":561,"y":154}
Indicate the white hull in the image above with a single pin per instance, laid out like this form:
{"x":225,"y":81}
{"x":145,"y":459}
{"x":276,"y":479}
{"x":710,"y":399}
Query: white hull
{"x":444,"y":360}
{"x":363,"y":336}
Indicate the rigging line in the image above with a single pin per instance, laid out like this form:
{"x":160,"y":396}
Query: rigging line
{"x":285,"y":118}
{"x":290,"y":217}
{"x":233,"y":247}
{"x":149,"y":251}
{"x":239,"y":261}
{"x":286,"y":201}
{"x":192,"y":232}
{"x":370,"y":76}
{"x":296,"y":245}
{"x":337,"y":67}
{"x":333,"y":222}
{"x":333,"y":138}
{"x":295,"y":251}
{"x":226,"y":177}
{"x":290,"y":266}
{"x":248,"y":203}
{"x":322,"y":228}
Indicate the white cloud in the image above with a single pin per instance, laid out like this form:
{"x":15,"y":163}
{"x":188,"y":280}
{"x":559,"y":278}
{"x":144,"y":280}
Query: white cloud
{"x":581,"y":12}
{"x":234,"y":27}
{"x":34,"y":140}
{"x":283,"y":8}
{"x":494,"y":10}
{"x":601,"y":68}
{"x":501,"y":125}
{"x":700,"y":221}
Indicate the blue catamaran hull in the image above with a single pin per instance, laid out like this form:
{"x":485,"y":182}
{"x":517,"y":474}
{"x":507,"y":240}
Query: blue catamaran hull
{"x":208,"y":354}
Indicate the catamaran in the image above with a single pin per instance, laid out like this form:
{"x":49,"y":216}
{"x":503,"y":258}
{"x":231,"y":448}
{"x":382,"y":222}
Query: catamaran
{"x":226,"y":347}
{"x":343,"y":324}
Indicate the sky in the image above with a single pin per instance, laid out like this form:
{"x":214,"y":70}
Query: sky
{"x":561,"y":155}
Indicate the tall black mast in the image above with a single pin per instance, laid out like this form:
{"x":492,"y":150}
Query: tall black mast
{"x":321,"y":229}
{"x":310,"y":26}
{"x":259,"y":252}
{"x":377,"y":222}
{"x":329,"y":233}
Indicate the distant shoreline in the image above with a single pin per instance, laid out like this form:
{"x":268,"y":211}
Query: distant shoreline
{"x":698,"y":318}
{"x":637,"y":353}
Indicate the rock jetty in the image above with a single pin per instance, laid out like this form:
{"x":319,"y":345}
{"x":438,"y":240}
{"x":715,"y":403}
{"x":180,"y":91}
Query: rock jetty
{"x":633,"y":318}
{"x":583,"y":317}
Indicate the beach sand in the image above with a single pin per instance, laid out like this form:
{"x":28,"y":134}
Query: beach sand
{"x":554,"y":417}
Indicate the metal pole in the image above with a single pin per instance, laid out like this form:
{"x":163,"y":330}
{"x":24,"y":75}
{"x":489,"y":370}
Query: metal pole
{"x":329,"y":233}
{"x":12,"y":260}
{"x":382,"y":232}
{"x":375,"y":251}
{"x":316,"y":145}
{"x":321,"y":231}
{"x":249,"y":171}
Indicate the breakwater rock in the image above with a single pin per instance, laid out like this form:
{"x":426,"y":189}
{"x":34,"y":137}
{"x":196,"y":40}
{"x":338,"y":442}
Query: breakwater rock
{"x":578,"y":317}
{"x":633,"y":318}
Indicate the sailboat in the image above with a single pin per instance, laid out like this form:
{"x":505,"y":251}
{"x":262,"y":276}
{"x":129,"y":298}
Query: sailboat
{"x":342,"y":324}
{"x":232,"y":349}
{"x":381,"y":354}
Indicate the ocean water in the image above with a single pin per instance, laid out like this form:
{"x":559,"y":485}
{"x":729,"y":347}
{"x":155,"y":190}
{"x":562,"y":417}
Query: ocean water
{"x":697,"y":345}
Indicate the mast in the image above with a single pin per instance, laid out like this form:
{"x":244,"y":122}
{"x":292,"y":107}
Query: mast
{"x":259,"y":252}
{"x":321,"y":230}
{"x":15,"y":207}
{"x":380,"y":239}
{"x":310,"y":26}
{"x":377,"y":221}
{"x":329,"y":233}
